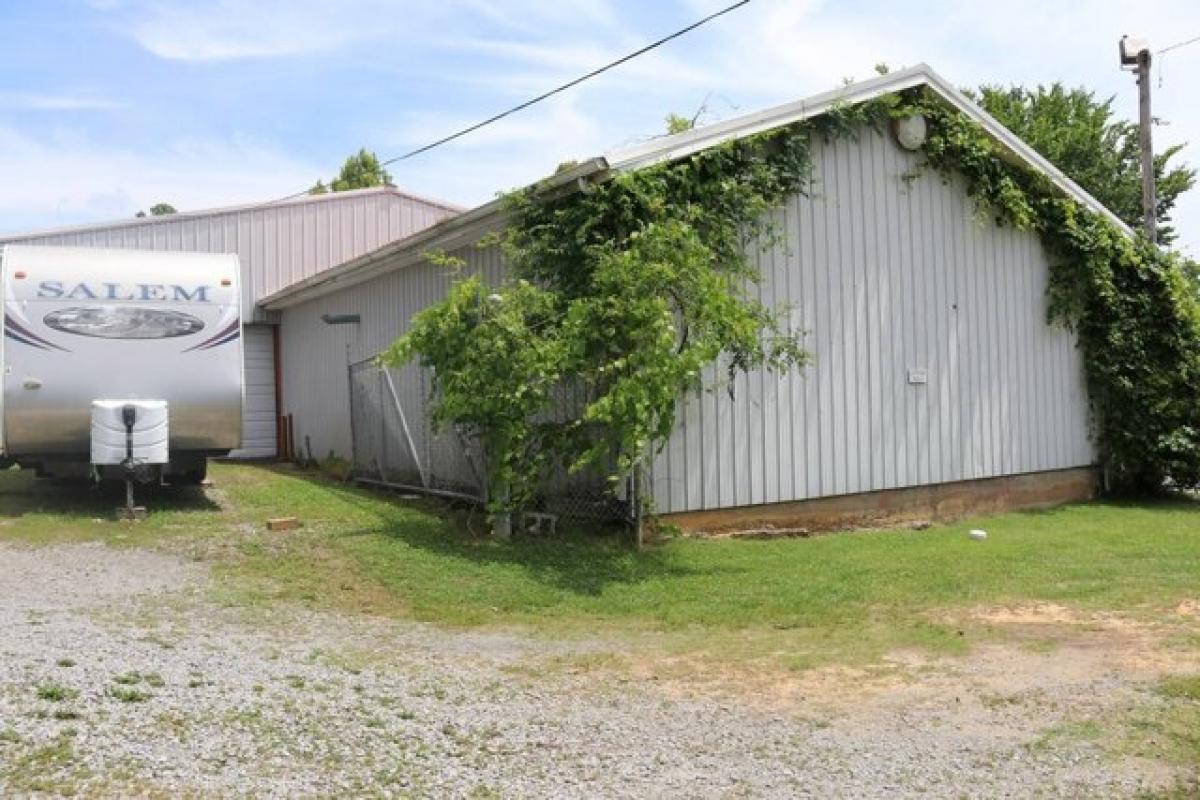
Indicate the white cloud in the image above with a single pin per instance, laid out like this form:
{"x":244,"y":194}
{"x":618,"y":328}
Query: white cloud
{"x":34,"y":101}
{"x":66,"y":178}
{"x":557,"y":120}
{"x":222,"y":30}
{"x":532,"y":67}
{"x":767,"y":52}
{"x":218,"y":30}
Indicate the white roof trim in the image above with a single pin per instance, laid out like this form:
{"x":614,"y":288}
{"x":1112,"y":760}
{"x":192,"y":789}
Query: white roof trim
{"x":669,"y":148}
{"x":328,"y":197}
{"x":683,"y":144}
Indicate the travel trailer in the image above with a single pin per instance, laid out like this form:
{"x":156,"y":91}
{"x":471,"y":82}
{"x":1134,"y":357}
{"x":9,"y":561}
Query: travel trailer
{"x":119,"y":364}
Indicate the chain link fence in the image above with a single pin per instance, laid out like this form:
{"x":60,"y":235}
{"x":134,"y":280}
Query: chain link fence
{"x":396,"y":445}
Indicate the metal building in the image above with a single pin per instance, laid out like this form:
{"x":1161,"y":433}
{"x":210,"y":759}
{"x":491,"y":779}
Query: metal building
{"x":934,"y":363}
{"x":278,"y":245}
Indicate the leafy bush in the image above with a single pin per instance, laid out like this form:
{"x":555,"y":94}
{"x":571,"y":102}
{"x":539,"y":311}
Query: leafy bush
{"x":625,"y":291}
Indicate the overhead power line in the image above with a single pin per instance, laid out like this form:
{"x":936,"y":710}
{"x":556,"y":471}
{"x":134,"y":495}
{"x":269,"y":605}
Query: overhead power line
{"x":1168,"y":49}
{"x":1177,"y":45}
{"x":546,"y":95}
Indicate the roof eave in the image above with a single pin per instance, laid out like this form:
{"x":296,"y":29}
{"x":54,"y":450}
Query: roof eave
{"x":447,"y":234}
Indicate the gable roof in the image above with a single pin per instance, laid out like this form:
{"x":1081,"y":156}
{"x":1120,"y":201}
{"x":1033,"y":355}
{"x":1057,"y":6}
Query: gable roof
{"x":462,"y":228}
{"x":291,"y":202}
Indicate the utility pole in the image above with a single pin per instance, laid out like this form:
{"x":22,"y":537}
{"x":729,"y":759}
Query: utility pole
{"x":1135,"y":54}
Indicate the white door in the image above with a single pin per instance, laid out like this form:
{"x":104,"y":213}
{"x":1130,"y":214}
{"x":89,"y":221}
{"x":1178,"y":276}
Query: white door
{"x":258,"y":411}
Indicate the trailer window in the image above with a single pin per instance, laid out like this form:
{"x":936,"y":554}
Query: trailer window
{"x":123,"y":322}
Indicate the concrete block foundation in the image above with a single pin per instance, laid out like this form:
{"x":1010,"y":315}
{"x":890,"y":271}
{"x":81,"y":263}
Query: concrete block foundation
{"x":936,"y":503}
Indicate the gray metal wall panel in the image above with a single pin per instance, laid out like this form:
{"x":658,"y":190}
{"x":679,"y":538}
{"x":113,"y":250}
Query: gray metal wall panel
{"x":885,"y":268}
{"x":316,"y":356}
{"x":277,"y":245}
{"x":258,"y":410}
{"x":888,"y":268}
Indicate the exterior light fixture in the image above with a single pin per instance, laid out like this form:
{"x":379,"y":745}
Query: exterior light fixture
{"x":341,"y":319}
{"x":910,"y":132}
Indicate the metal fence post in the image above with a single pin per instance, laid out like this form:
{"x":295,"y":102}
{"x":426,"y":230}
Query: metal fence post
{"x":422,"y":469}
{"x":350,"y":382}
{"x":635,"y":494}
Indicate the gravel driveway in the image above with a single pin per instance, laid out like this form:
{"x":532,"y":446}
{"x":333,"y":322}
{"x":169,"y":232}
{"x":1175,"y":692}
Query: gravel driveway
{"x":119,"y":675}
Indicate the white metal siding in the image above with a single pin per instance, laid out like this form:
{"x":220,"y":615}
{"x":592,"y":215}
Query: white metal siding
{"x":888,"y":269}
{"x":278,"y":245}
{"x":315,"y":355}
{"x":258,"y":407}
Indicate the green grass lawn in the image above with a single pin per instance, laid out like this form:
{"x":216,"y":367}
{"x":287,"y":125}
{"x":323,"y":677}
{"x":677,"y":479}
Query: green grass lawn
{"x":846,"y":593}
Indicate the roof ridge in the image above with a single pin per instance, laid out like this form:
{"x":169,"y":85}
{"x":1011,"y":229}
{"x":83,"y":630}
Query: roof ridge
{"x":232,"y":209}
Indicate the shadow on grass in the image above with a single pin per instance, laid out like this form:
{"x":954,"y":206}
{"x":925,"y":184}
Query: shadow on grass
{"x":22,"y":493}
{"x":1172,"y":501}
{"x":580,"y":559}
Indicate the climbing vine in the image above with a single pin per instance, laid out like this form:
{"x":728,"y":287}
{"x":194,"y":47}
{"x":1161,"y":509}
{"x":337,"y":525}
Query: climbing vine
{"x":1133,"y":308}
{"x":620,"y":296}
{"x":623,"y":293}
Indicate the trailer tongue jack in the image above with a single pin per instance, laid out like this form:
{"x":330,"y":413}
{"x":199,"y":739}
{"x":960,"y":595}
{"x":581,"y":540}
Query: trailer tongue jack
{"x":130,"y":511}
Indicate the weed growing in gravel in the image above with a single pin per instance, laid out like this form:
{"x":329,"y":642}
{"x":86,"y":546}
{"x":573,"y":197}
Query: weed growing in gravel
{"x":55,"y":692}
{"x":1186,"y":789}
{"x":431,"y":690}
{"x":65,"y":662}
{"x":1181,"y":687}
{"x":47,"y":770}
{"x":245,"y":716}
{"x":133,"y":678}
{"x":65,"y":714}
{"x":128,"y":694}
{"x":1170,"y":733}
{"x":173,"y":724}
{"x":9,"y":736}
{"x":154,"y":638}
{"x":1088,"y":730}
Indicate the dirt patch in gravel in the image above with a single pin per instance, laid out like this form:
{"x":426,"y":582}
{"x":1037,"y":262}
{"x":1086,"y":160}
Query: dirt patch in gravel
{"x":120,"y":676}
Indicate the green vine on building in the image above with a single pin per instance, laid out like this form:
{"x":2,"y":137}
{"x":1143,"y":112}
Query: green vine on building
{"x":629,"y":290}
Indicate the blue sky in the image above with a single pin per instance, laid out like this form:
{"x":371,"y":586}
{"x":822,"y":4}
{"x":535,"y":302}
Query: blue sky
{"x":108,"y":106}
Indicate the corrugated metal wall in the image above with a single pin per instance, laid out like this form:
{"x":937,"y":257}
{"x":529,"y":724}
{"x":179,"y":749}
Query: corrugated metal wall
{"x":316,"y":356}
{"x":889,"y":270}
{"x":259,"y":423}
{"x":278,"y":245}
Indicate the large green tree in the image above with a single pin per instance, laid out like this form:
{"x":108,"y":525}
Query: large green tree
{"x":1083,"y":137}
{"x":360,"y":171}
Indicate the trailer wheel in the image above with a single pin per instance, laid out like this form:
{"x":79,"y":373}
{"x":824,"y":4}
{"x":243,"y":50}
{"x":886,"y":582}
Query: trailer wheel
{"x":194,"y":476}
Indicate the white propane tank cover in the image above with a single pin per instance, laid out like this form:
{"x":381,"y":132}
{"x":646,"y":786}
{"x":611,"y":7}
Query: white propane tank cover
{"x":151,"y":434}
{"x":978,"y":535}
